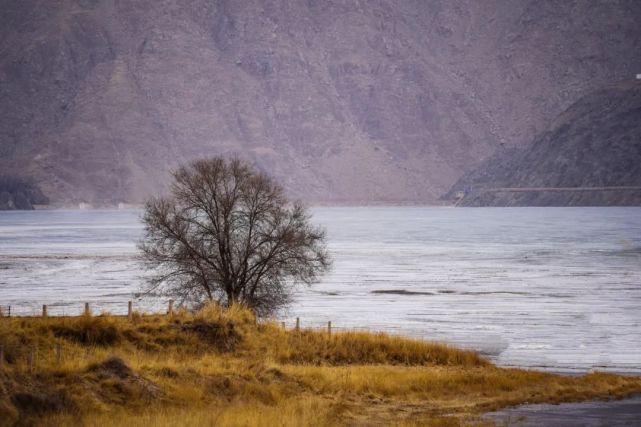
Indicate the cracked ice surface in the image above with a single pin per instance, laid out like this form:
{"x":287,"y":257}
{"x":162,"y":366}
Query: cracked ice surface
{"x":556,"y":288}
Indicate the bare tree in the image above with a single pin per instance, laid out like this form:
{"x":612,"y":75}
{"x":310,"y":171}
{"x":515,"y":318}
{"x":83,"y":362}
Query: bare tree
{"x":227,"y":233}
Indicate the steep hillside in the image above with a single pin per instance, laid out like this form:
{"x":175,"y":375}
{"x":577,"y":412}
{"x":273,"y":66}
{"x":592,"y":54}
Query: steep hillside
{"x":595,"y":143}
{"x":343,"y":101}
{"x":18,"y":194}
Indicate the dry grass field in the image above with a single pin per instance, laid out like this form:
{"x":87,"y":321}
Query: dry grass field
{"x":221,"y":367}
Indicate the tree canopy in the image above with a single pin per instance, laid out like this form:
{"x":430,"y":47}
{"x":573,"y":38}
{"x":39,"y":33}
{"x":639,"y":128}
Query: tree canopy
{"x":228,"y":233}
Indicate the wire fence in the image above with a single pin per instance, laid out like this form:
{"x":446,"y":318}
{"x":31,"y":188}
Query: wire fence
{"x":30,"y":357}
{"x":347,"y":326}
{"x":70,"y":309}
{"x":131,"y":308}
{"x":75,"y":310}
{"x":5,"y":311}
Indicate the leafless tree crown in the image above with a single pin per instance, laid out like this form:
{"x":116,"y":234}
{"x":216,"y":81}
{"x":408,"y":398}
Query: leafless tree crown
{"x":227,"y":233}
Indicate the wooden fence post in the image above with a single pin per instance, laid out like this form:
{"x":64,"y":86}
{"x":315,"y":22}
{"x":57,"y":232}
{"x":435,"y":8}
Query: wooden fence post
{"x":31,"y":360}
{"x":58,"y":354}
{"x":44,"y":310}
{"x":170,"y":309}
{"x":329,"y":327}
{"x":130,"y":310}
{"x":298,"y":324}
{"x":283,"y":325}
{"x":87,"y":309}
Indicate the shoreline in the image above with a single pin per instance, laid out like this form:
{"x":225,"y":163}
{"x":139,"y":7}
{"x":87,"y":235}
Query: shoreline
{"x":572,"y":372}
{"x":163,"y":369}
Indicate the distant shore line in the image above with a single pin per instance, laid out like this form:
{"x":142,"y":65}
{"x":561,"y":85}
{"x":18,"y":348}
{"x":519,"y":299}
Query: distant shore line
{"x":69,"y":207}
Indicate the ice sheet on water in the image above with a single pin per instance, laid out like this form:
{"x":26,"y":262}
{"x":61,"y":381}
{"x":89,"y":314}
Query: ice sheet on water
{"x":551,"y":288}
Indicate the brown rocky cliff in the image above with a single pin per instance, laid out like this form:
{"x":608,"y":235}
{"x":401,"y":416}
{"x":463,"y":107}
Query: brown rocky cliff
{"x":355,"y":101}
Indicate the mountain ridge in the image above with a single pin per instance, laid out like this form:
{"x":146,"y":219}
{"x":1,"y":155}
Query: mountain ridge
{"x":595,"y":143}
{"x":342,"y":102}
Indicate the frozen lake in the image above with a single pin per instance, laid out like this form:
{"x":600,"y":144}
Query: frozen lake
{"x":556,"y":288}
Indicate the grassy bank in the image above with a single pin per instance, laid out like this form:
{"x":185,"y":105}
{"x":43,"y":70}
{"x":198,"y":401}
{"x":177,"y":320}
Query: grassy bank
{"x":220,"y":367}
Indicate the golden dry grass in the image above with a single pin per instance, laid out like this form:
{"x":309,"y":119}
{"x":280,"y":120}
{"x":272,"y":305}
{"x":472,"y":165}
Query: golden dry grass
{"x":219,"y":367}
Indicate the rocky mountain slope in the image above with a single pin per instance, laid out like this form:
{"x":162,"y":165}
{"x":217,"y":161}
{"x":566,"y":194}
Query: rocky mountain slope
{"x":595,"y":143}
{"x":342,"y":101}
{"x":18,"y":194}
